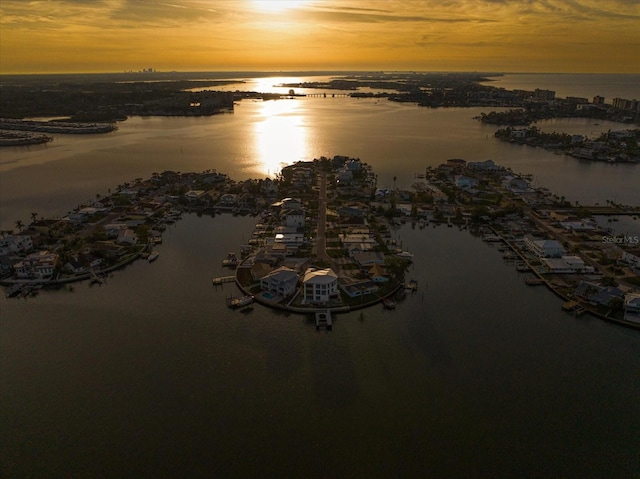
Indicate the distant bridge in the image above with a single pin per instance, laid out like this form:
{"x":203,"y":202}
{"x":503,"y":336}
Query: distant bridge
{"x":321,"y":95}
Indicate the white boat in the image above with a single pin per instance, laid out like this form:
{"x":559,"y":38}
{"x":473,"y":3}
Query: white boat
{"x":405,"y":255}
{"x":235,"y":303}
{"x":388,"y":304}
{"x":153,"y":256}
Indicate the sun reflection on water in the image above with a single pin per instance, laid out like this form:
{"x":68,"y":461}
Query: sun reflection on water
{"x":281,"y":135}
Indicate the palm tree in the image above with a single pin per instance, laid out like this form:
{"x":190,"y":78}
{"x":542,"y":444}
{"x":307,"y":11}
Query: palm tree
{"x":34,"y":216}
{"x":394,"y":183}
{"x":19,"y":225}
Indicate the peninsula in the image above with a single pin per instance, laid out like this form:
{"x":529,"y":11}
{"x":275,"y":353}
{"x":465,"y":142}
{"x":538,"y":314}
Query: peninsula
{"x":322,"y":241}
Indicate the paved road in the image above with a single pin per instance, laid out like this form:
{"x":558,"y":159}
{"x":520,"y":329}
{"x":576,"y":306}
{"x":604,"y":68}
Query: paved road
{"x":321,"y":239}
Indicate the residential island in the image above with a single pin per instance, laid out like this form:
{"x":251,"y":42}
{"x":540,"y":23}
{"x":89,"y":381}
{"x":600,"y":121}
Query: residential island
{"x":613,"y":146}
{"x":323,"y":242}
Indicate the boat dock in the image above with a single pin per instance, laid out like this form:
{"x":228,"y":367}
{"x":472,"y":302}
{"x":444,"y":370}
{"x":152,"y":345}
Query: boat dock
{"x":95,"y":279}
{"x":223,"y":279}
{"x":323,"y":318}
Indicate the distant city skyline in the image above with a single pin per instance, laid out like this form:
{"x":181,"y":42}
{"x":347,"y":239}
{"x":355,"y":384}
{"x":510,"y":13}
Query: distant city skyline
{"x":565,"y":36}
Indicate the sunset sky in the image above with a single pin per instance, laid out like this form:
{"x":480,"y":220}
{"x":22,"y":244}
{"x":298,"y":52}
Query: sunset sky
{"x":600,"y":36}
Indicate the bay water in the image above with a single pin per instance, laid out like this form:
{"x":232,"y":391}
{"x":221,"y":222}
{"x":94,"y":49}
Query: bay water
{"x":150,"y":375}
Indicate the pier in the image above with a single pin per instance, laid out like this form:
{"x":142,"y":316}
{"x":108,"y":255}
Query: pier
{"x":223,"y":279}
{"x":323,"y":318}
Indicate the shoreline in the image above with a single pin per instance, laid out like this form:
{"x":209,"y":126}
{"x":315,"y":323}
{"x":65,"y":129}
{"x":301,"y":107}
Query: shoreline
{"x":345,"y":247}
{"x":556,"y":290}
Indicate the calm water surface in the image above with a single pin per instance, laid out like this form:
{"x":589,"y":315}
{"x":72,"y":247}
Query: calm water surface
{"x":261,"y":137}
{"x":150,"y":375}
{"x":475,"y":375}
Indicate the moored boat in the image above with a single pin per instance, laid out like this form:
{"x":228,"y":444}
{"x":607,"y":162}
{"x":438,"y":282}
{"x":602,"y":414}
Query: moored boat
{"x":388,"y":304}
{"x":235,"y":303}
{"x":153,"y":256}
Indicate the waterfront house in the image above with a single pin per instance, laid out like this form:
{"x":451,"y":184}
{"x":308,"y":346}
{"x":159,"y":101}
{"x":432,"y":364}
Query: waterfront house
{"x":566,"y":265}
{"x":213,"y":178}
{"x":194,"y":195}
{"x":367,"y":259}
{"x":289,"y":238}
{"x":246,"y":201}
{"x":378,"y":274}
{"x":358,"y":239}
{"x":404,"y":208}
{"x":280,"y":282}
{"x":544,"y":248}
{"x":462,"y":181}
{"x":227,"y":200}
{"x":597,"y":294}
{"x":517,"y":185}
{"x":75,"y":266}
{"x":518,"y":134}
{"x":319,"y":285}
{"x":632,"y":307}
{"x":15,"y":244}
{"x":355,"y":248}
{"x":39,"y":265}
{"x":575,"y":224}
{"x":354,"y":288}
{"x":456,"y":163}
{"x":484,"y":166}
{"x":631,"y":258}
{"x":127,"y":236}
{"x":269,"y":187}
{"x":77,"y":217}
{"x":302,"y":177}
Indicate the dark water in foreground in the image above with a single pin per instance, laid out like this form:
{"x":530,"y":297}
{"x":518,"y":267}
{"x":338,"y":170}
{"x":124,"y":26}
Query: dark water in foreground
{"x":475,"y":375}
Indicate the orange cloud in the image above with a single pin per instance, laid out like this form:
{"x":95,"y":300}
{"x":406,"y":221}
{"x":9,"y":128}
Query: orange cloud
{"x":505,"y":35}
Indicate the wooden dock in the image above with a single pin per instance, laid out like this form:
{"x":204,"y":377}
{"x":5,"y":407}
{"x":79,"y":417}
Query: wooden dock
{"x":323,"y":318}
{"x":223,"y":279}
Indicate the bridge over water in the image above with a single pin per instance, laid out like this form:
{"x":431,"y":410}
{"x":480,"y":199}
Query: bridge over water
{"x":318,"y":95}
